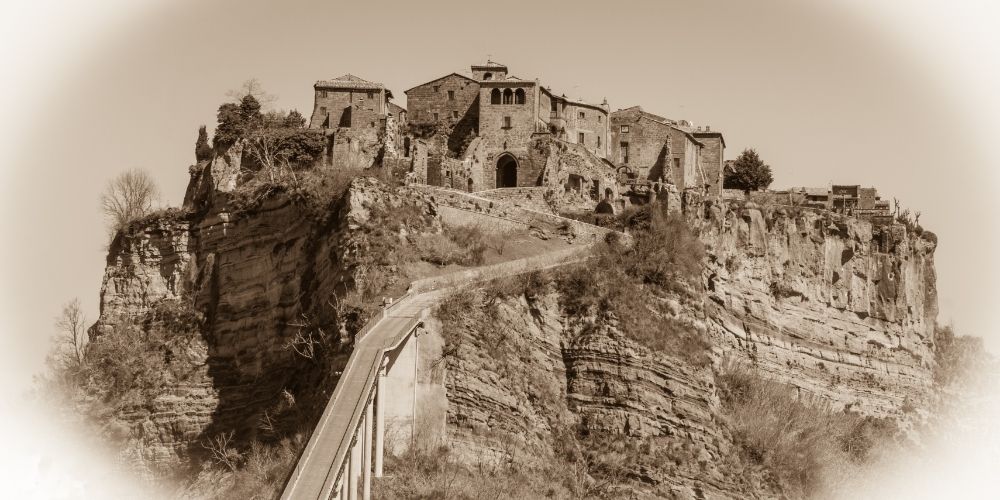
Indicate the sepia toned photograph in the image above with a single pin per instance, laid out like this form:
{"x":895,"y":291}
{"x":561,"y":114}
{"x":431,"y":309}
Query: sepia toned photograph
{"x":444,"y":250}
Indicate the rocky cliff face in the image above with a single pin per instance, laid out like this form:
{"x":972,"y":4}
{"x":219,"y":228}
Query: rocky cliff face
{"x":259,"y":273}
{"x":835,"y":307}
{"x":840,"y":310}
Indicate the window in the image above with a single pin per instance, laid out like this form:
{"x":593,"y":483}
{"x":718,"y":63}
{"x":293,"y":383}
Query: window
{"x":487,"y":76}
{"x":599,"y":117}
{"x":436,"y":88}
{"x":579,"y":138}
{"x":624,"y":153}
{"x":451,"y":95}
{"x":519,"y":96}
{"x":322,"y":93}
{"x":495,"y":96}
{"x":598,"y":141}
{"x":435,"y":117}
{"x":371,"y":94}
{"x":581,"y":115}
{"x":677,"y":164}
{"x":454,"y":114}
{"x":508,"y":96}
{"x":322,"y":110}
{"x":624,"y":129}
{"x":506,"y":122}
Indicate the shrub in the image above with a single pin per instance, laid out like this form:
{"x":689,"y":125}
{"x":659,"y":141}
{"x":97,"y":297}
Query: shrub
{"x":202,"y":150}
{"x":957,"y":356}
{"x":803,"y":445}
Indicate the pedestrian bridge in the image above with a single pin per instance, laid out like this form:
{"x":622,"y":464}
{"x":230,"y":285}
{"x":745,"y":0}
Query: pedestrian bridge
{"x":379,"y":383}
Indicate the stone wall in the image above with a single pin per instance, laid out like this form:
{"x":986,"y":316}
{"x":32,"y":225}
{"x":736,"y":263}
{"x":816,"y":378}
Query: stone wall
{"x":492,"y":129}
{"x":347,"y":108}
{"x":431,"y":99}
{"x":527,"y":197}
{"x":711,"y":159}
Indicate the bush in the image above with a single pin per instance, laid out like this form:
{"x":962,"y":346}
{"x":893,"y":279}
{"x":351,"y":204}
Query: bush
{"x":202,"y":150}
{"x":804,"y":446}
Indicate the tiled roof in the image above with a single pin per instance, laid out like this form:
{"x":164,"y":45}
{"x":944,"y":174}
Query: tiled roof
{"x":490,"y":64}
{"x":349,"y":81}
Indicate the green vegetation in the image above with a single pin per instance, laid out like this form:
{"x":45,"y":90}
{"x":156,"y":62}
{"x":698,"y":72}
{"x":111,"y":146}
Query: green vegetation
{"x":802,"y":446}
{"x":637,"y":285}
{"x":748,"y":172}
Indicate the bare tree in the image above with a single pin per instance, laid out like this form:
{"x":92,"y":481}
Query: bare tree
{"x":254,"y":88}
{"x":72,"y":338}
{"x":129,"y":196}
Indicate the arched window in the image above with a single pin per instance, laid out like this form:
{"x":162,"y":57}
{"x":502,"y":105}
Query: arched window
{"x":487,"y":76}
{"x":508,"y":96}
{"x":495,"y":96}
{"x":519,"y":96}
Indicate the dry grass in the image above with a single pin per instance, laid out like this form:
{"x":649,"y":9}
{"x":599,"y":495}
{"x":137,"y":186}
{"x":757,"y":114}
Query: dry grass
{"x":805,"y":448}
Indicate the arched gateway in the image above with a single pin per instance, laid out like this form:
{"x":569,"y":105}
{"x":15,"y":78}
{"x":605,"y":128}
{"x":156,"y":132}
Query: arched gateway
{"x":506,"y":171}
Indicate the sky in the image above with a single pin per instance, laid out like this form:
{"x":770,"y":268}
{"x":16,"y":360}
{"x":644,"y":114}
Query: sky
{"x":896,"y":95}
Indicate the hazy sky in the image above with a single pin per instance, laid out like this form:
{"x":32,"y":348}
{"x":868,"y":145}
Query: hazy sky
{"x":896,"y":95}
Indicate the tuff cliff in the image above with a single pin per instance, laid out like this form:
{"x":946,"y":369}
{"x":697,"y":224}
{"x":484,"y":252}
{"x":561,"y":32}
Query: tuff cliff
{"x":838,"y":309}
{"x":260,"y":273}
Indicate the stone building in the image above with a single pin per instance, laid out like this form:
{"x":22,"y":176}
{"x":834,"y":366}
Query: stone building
{"x":350,"y":102}
{"x":711,"y":158}
{"x":655,"y":148}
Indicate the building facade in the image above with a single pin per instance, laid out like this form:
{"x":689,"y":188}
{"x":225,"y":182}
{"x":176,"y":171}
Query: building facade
{"x":349,"y":102}
{"x":657,"y":149}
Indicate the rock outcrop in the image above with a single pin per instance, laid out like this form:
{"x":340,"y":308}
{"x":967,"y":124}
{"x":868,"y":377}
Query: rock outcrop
{"x":833,"y":306}
{"x":259,"y":274}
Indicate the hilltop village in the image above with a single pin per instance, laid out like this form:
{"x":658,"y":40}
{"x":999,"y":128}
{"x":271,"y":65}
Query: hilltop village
{"x":489,"y":130}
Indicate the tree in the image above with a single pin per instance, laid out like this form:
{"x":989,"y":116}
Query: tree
{"x":71,"y":338}
{"x":253,"y":88}
{"x":295,"y":119}
{"x":748,"y":172}
{"x":129,"y":196}
{"x":202,"y":150}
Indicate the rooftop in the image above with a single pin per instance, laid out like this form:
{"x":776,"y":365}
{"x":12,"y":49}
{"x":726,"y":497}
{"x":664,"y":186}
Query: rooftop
{"x":349,"y":81}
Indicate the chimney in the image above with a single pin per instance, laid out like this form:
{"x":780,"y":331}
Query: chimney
{"x":699,"y":129}
{"x":708,"y":128}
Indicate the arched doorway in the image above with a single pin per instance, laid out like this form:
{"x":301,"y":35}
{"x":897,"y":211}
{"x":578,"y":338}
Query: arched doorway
{"x":506,"y":171}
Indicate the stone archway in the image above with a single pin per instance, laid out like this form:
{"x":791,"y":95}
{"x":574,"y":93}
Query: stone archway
{"x":506,"y":171}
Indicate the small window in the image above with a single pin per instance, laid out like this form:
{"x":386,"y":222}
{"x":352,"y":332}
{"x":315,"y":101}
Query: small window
{"x":598,"y":141}
{"x":454,"y":114}
{"x":581,"y":115}
{"x":624,"y":151}
{"x":624,"y":129}
{"x":451,"y":95}
{"x":487,"y":76}
{"x":371,"y":94}
{"x":579,"y":138}
{"x":322,"y":110}
{"x":435,"y":117}
{"x":506,"y":122}
{"x":322,"y":93}
{"x":599,"y":118}
{"x":436,"y":88}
